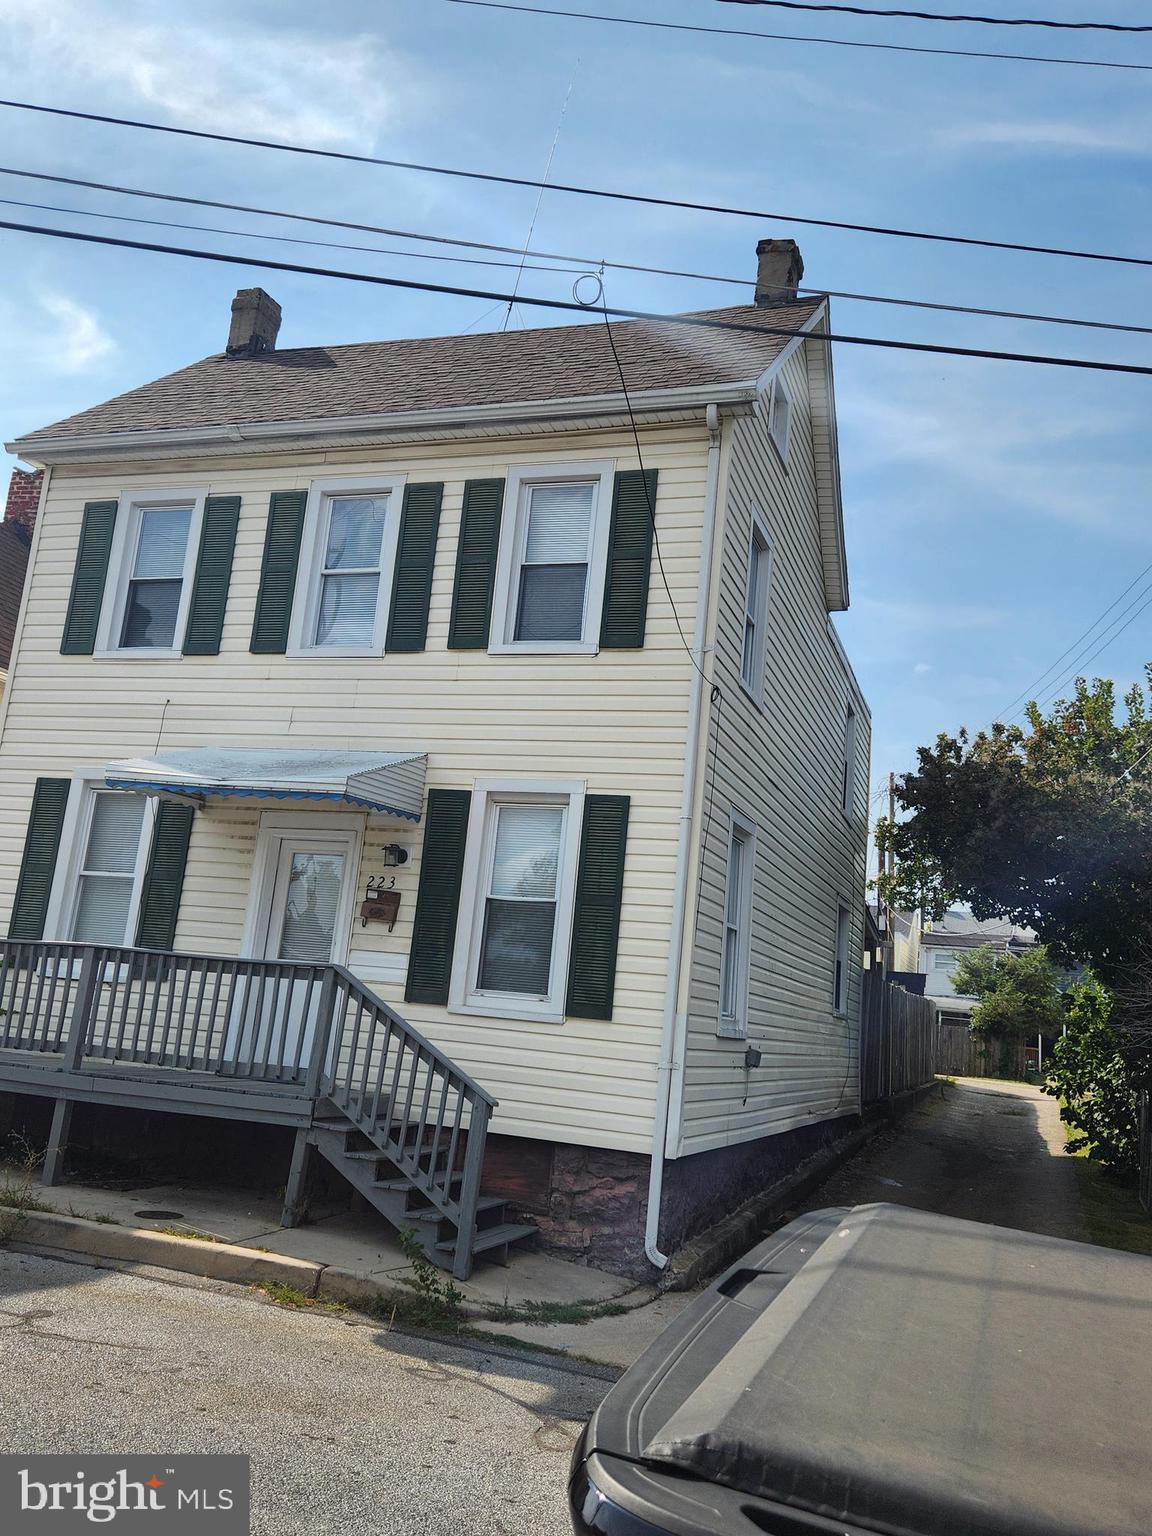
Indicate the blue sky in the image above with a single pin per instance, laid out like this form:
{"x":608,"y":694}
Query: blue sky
{"x":992,"y":510}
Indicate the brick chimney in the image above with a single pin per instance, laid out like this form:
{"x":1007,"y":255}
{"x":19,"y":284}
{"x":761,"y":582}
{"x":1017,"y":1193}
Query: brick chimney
{"x":24,"y":499}
{"x":255,"y":323}
{"x":779,"y":271}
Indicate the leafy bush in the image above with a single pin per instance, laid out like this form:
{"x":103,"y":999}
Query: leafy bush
{"x":1097,"y":1074}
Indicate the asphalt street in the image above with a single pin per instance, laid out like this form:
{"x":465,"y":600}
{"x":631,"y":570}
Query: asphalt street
{"x":350,"y":1428}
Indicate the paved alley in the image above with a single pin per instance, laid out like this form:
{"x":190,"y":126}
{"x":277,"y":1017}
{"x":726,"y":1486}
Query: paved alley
{"x":980,"y":1149}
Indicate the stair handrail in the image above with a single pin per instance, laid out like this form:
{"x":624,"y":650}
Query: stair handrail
{"x":373,"y":1000}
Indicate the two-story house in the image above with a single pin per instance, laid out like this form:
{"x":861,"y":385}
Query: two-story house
{"x":441,"y":748}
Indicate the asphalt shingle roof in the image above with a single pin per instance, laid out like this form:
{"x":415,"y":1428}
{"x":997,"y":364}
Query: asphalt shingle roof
{"x":439,"y":372}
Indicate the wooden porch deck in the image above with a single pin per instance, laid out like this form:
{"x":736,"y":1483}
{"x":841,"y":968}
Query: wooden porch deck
{"x":301,"y":1045}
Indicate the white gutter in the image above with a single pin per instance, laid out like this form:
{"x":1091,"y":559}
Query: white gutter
{"x":684,"y":397}
{"x":674,"y":1023}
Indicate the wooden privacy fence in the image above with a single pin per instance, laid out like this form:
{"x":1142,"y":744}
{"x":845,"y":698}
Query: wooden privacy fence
{"x":960,"y":1053}
{"x":897,"y":1040}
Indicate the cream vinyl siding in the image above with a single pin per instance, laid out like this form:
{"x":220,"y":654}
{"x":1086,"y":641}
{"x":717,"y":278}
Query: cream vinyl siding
{"x":617,"y":720}
{"x":780,"y":767}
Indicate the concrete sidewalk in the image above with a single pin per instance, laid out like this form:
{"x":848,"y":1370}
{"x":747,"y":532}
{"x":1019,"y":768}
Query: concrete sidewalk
{"x":355,"y":1258}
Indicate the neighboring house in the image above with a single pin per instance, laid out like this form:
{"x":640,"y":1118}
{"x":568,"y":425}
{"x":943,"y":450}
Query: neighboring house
{"x":942,"y":945}
{"x":362,"y":656}
{"x":15,"y":542}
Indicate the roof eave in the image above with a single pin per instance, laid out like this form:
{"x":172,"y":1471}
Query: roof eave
{"x":36,"y":449}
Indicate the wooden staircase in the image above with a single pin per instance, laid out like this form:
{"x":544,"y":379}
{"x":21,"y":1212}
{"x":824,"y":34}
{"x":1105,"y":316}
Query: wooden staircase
{"x":406,"y":1205}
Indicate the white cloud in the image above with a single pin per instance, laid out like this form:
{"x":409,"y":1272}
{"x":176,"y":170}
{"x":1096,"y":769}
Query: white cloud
{"x":903,"y":621}
{"x":1041,"y":134}
{"x":922,"y":668}
{"x":330,"y":91}
{"x":78,"y":340}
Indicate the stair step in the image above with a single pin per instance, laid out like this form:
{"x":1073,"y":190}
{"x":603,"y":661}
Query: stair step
{"x":485,"y":1203}
{"x":493,"y":1237}
{"x":403,"y":1184}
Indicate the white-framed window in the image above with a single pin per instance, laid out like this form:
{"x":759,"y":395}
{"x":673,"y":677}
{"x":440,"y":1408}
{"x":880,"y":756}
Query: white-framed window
{"x":848,"y":762}
{"x":347,"y":557}
{"x":759,"y":577}
{"x":152,"y":562}
{"x":518,"y":890}
{"x":550,"y":571}
{"x":736,"y":944}
{"x":105,"y":844}
{"x":945,"y":961}
{"x":779,"y":405}
{"x":841,"y":973}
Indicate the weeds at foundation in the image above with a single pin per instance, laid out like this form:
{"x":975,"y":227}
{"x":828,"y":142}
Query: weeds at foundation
{"x":16,"y":1197}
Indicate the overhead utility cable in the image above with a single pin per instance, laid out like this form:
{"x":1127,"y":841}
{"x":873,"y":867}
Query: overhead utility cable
{"x":983,"y":21}
{"x":794,"y":37}
{"x":646,"y":199}
{"x":580,"y":263}
{"x":701,"y":322}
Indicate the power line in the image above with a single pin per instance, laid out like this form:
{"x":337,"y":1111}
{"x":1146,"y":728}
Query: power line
{"x":646,"y":199}
{"x":581,"y":263}
{"x":260,"y":234}
{"x":984,"y":21}
{"x":792,"y":37}
{"x":1025,"y":694}
{"x":1140,"y":603}
{"x":702,"y":322}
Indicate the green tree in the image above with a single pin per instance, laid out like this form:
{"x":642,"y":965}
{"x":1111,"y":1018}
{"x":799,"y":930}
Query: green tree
{"x":1049,"y":826}
{"x":1097,"y":1073}
{"x":1018,"y":996}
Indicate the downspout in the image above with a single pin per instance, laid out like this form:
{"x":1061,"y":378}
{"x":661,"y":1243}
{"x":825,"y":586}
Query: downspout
{"x":674,"y":1024}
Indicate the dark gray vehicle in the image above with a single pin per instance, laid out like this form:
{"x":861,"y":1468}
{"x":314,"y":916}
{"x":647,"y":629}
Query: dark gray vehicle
{"x":881,"y":1369}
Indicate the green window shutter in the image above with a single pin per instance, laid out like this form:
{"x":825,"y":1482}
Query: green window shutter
{"x":596,"y":921}
{"x":164,"y":881}
{"x":629,"y":560}
{"x":278,"y":572}
{"x":38,"y":865}
{"x":476,"y":566}
{"x":88,"y":578}
{"x":213,"y":575}
{"x":415,"y":561}
{"x":438,"y":899}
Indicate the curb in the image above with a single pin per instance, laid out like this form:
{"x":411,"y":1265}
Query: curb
{"x":99,"y":1240}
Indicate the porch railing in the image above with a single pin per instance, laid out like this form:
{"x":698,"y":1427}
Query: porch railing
{"x":311,"y":1026}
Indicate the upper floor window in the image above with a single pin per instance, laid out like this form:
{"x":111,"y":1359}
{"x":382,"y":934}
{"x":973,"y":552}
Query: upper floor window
{"x":848,"y":762}
{"x":553,"y":553}
{"x":346,"y":559}
{"x":518,"y":893}
{"x":152,"y":563}
{"x":756,"y":608}
{"x":779,"y":415}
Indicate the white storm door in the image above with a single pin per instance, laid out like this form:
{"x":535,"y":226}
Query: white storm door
{"x":302,"y":918}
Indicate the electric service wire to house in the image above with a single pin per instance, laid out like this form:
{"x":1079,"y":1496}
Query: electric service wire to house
{"x":579,"y":263}
{"x":793,"y":37}
{"x":694,"y":322}
{"x":984,"y":21}
{"x":1140,"y":604}
{"x":650,"y":200}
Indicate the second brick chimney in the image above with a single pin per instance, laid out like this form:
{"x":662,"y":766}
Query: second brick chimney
{"x":255,"y":323}
{"x":779,"y":271}
{"x":24,"y":499}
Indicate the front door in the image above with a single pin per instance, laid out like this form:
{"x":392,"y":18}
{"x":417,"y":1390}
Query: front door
{"x":301,"y":916}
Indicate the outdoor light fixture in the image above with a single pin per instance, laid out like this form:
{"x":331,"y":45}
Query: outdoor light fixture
{"x":394,"y":855}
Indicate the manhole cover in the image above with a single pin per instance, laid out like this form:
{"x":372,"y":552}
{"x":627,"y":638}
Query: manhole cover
{"x":160,"y":1215}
